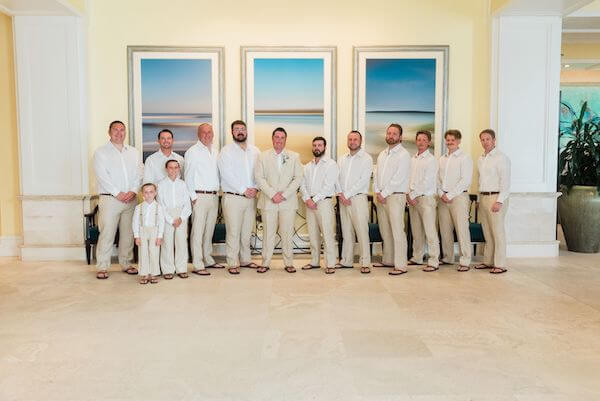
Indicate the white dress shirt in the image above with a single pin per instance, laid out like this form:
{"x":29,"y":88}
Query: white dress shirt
{"x":455,"y":174}
{"x":423,"y":175}
{"x":117,"y":171}
{"x":173,"y":194}
{"x":393,"y":171}
{"x":151,"y":216}
{"x":494,"y":173}
{"x":319,"y":179}
{"x":236,"y":167}
{"x":355,"y":173}
{"x":201,"y":171}
{"x":154,"y":167}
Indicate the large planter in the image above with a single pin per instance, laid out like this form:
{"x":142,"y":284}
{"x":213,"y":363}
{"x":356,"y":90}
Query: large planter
{"x":579,"y":211}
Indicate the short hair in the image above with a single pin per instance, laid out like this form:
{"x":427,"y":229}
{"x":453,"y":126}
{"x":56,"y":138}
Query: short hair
{"x":320,"y":138}
{"x":148,"y":184}
{"x":280,"y":129}
{"x":398,"y":126}
{"x":172,"y":160}
{"x":489,"y":131}
{"x":453,"y":132}
{"x":424,"y":132}
{"x":356,"y":132}
{"x":113,"y":123}
{"x":238,"y":122}
{"x":165,"y":130}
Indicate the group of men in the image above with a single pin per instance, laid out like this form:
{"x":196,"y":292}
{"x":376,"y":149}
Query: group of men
{"x":435,"y":191}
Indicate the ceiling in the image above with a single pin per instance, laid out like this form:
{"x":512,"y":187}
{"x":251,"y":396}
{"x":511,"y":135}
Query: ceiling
{"x":37,"y":7}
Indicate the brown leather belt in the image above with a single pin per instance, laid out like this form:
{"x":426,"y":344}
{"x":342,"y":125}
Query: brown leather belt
{"x":235,"y":193}
{"x":489,"y":193}
{"x":206,"y":192}
{"x":398,"y":193}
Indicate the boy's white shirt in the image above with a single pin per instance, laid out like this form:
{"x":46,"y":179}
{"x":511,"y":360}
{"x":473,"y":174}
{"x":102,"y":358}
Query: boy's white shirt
{"x":149,"y":216}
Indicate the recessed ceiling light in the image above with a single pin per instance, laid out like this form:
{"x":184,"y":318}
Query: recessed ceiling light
{"x":567,"y":65}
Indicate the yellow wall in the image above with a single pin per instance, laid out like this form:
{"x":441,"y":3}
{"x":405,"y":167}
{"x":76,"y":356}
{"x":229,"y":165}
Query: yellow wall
{"x":461,"y":24}
{"x":586,"y":51}
{"x":10,"y":207}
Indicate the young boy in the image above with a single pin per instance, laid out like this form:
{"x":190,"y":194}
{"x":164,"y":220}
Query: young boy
{"x":174,"y":199}
{"x":148,"y":227}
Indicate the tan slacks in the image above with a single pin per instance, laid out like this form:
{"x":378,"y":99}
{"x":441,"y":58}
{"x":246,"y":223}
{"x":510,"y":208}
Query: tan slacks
{"x":148,"y":252}
{"x":321,"y":222}
{"x":455,"y":216}
{"x":204,"y":217}
{"x":174,"y":249}
{"x":390,"y":217}
{"x":423,"y":227}
{"x":494,"y":253}
{"x":355,"y":221}
{"x":240,"y":217}
{"x":113,"y":214}
{"x":282,"y":222}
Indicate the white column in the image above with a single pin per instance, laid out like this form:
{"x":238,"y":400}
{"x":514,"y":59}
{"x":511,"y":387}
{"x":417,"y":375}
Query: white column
{"x":50,"y":66}
{"x":525,"y":104}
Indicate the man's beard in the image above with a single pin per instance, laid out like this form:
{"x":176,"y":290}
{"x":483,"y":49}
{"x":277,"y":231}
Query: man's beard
{"x":240,"y":140}
{"x":391,"y":141}
{"x":317,"y":153}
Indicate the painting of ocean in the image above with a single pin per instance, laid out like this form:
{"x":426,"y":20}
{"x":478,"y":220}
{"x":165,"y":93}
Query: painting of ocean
{"x":184,"y":128}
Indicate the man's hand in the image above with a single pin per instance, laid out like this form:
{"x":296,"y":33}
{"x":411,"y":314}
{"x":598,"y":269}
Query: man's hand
{"x":278,"y":198}
{"x":158,"y":241}
{"x":345,"y":201}
{"x":250,"y":193}
{"x":138,"y":242}
{"x":412,"y":202}
{"x":445,"y":199}
{"x":177,"y":222}
{"x":131,"y":196}
{"x":310,"y":204}
{"x":496,"y":207}
{"x":380,"y":198}
{"x":122,"y":196}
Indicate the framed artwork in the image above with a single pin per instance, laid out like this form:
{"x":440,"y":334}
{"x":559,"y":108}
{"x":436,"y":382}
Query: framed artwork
{"x":293,"y":88}
{"x":174,"y":88}
{"x":407,"y":85}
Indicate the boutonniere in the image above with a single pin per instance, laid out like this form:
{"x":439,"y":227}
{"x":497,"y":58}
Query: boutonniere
{"x":284,"y":158}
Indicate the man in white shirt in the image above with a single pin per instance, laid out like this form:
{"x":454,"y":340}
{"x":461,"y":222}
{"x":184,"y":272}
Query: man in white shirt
{"x":390,"y":187}
{"x":174,"y":198}
{"x":356,"y":168}
{"x":236,"y":167}
{"x":202,"y":180}
{"x":494,"y":189}
{"x":454,"y":180}
{"x":278,"y":174}
{"x":318,"y":189}
{"x":118,"y":174}
{"x":422,"y":203}
{"x":154,"y":167}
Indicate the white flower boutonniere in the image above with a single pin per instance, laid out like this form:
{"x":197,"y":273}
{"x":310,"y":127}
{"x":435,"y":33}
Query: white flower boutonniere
{"x":284,"y":158}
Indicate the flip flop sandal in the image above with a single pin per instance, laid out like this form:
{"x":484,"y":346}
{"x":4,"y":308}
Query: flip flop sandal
{"x":131,"y":270}
{"x":341,"y":266}
{"x":463,"y":268}
{"x":154,"y":280}
{"x":309,"y":267}
{"x":183,"y":275}
{"x":201,"y":272}
{"x":445,"y":263}
{"x":412,"y":263}
{"x":381,"y":265}
{"x":429,"y":269}
{"x":215,"y":266}
{"x":263,"y":269}
{"x":397,"y":272}
{"x":144,"y":281}
{"x":168,"y":277}
{"x":102,"y":275}
{"x":365,"y":270}
{"x":290,"y":269}
{"x":329,"y":270}
{"x":482,"y":266}
{"x":251,"y":265}
{"x":501,"y":270}
{"x":233,"y":270}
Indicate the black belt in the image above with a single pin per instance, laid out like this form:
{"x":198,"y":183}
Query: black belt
{"x":398,"y":193}
{"x":461,"y":192}
{"x":235,"y":193}
{"x":206,"y":192}
{"x":489,"y":193}
{"x":107,"y":195}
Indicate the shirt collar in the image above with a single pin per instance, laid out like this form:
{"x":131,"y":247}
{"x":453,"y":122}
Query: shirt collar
{"x":423,"y":155}
{"x":125,"y":147}
{"x":458,"y":152}
{"x":395,"y":149}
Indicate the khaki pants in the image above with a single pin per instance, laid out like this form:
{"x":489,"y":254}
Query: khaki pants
{"x":355,"y":219}
{"x":282,"y":222}
{"x":148,"y":252}
{"x":455,"y":216}
{"x":240,"y":216}
{"x":423,"y":226}
{"x":174,"y":249}
{"x":113,"y":214}
{"x":494,"y":253}
{"x":322,"y":222}
{"x":390,"y":217}
{"x":204,"y":217}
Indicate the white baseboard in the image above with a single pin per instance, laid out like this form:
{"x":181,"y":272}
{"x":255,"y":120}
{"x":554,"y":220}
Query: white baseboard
{"x":52,"y":253}
{"x":9,"y":245}
{"x":545,"y":249}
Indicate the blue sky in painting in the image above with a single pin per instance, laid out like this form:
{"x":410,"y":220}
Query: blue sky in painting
{"x":400,"y":85}
{"x":288,"y":84}
{"x":176,"y":86}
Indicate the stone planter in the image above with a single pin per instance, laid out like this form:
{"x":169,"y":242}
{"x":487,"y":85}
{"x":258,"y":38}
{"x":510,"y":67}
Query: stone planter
{"x":579,"y":211}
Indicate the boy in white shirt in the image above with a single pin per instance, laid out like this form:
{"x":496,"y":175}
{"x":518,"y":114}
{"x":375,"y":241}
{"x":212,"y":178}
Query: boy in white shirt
{"x":148,"y":227}
{"x":174,"y":199}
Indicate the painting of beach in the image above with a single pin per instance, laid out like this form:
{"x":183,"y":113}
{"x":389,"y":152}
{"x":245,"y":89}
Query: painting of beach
{"x":399,"y":91}
{"x":289,"y":93}
{"x":176,"y":95}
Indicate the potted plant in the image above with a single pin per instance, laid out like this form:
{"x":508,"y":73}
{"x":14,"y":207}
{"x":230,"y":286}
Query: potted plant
{"x":579,"y":179}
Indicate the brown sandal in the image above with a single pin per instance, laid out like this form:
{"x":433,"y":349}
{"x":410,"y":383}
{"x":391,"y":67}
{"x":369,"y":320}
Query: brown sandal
{"x":215,"y":266}
{"x":430,"y":269}
{"x":131,"y":270}
{"x":168,"y":276}
{"x":102,"y":275}
{"x":233,"y":270}
{"x":482,"y":266}
{"x":290,"y":269}
{"x":329,"y":270}
{"x":183,"y":275}
{"x":397,"y":272}
{"x":462,"y":268}
{"x":250,"y":265}
{"x":263,"y":269}
{"x":144,"y":280}
{"x":154,"y":280}
{"x":381,"y":265}
{"x":365,"y":270}
{"x":201,"y":272}
{"x":498,"y":270}
{"x":309,"y":267}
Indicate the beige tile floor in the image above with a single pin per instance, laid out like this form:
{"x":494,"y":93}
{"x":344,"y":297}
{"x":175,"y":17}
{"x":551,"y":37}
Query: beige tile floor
{"x":532,"y":334}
